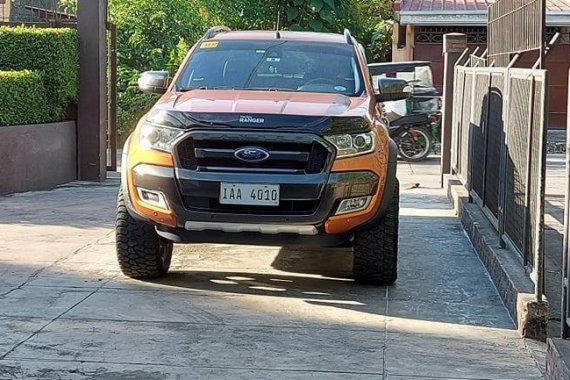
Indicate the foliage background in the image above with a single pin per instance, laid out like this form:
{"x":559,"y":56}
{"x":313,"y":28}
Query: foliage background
{"x":52,"y":52}
{"x":155,"y":35}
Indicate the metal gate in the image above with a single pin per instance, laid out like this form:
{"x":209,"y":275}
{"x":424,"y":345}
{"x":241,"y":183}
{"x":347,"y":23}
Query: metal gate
{"x":500,"y":120}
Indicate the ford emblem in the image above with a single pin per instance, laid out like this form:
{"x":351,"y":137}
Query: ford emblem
{"x":251,"y":154}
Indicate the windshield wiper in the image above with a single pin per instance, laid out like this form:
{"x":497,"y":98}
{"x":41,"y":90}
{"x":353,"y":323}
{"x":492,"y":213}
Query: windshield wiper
{"x":203,"y":88}
{"x":186,"y":89}
{"x":269,"y":89}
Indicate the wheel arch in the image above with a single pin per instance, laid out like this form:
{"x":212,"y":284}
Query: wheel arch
{"x":388,"y":191}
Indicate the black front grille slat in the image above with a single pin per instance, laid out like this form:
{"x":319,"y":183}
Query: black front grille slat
{"x":233,"y":145}
{"x":290,"y":156}
{"x":227,"y":154}
{"x":222,"y":169}
{"x":267,"y":164}
{"x":211,"y":154}
{"x":214,"y":153}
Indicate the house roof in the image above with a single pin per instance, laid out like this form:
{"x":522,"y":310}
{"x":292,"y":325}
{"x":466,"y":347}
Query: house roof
{"x":467,"y":12}
{"x":469,"y":5}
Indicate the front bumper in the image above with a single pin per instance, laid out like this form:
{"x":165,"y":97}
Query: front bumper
{"x":325,"y":189}
{"x":185,"y":223}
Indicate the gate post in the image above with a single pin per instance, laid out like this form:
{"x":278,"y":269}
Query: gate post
{"x":92,"y":107}
{"x":454,"y":44}
{"x":566,"y":245}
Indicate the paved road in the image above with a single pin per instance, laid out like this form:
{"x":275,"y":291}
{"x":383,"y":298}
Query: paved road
{"x":245,"y":312}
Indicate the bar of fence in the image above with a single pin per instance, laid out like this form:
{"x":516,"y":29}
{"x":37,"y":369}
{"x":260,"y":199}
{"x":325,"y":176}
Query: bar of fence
{"x":505,"y":34}
{"x":38,"y":11}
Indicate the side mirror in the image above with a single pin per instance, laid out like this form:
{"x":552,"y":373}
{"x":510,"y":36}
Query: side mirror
{"x":155,"y":82}
{"x":391,"y":89}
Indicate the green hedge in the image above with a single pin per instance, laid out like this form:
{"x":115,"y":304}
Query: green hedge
{"x":22,"y":98}
{"x":54,"y":52}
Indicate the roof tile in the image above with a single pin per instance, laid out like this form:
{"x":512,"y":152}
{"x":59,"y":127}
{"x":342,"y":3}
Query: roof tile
{"x":470,"y":5}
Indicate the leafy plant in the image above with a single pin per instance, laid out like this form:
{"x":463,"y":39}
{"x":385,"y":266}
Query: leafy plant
{"x":23,"y":98}
{"x":52,"y":52}
{"x":374,"y":19}
{"x":315,"y":15}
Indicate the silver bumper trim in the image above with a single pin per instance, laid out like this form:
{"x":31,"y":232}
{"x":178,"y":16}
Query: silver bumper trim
{"x":270,"y":229}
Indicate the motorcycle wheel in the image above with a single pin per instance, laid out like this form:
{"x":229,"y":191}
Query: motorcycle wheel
{"x":415,"y":144}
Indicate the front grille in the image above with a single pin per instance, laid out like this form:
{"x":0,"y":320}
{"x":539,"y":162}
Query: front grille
{"x":284,"y":156}
{"x":286,"y":207}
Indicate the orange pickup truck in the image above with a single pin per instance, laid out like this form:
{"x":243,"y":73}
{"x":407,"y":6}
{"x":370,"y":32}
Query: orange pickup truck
{"x":263,"y":137}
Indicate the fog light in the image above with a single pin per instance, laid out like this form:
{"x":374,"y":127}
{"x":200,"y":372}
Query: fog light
{"x":154,"y":198}
{"x":353,"y":205}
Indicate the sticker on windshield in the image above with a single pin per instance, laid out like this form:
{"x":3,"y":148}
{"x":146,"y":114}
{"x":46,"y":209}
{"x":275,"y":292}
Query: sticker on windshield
{"x":209,"y":45}
{"x":260,"y":51}
{"x":273,"y":59}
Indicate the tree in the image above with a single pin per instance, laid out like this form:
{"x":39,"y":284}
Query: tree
{"x":151,"y":35}
{"x":376,"y":17}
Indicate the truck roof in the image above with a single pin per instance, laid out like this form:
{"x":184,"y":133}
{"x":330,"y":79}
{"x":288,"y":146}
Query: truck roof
{"x":283,"y":35}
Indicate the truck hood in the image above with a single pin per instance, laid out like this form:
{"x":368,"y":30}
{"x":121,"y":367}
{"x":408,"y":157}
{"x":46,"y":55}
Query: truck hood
{"x":263,"y":102}
{"x":283,"y":111}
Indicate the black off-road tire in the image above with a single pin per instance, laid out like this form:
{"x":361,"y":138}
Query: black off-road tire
{"x":376,"y":249}
{"x":141,"y":252}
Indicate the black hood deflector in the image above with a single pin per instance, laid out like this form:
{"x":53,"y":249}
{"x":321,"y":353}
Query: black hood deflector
{"x":321,"y":125}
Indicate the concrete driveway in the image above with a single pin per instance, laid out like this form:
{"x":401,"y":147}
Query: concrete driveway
{"x":238,"y":312}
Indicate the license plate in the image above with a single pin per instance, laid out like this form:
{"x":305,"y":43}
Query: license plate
{"x":249,"y":194}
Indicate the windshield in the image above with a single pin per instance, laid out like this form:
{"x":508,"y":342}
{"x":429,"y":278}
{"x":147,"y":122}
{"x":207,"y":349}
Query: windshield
{"x":273,"y":65}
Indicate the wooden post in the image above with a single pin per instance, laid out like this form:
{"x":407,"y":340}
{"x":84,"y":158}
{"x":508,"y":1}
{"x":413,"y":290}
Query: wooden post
{"x":454,"y":44}
{"x":92,"y":107}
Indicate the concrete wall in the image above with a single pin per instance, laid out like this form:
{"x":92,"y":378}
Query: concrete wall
{"x":5,"y":10}
{"x":36,"y":157}
{"x":405,"y":53}
{"x":558,"y":360}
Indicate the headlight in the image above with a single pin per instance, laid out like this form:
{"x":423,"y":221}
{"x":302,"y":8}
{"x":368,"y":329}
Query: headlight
{"x":352,"y":145}
{"x":158,"y":137}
